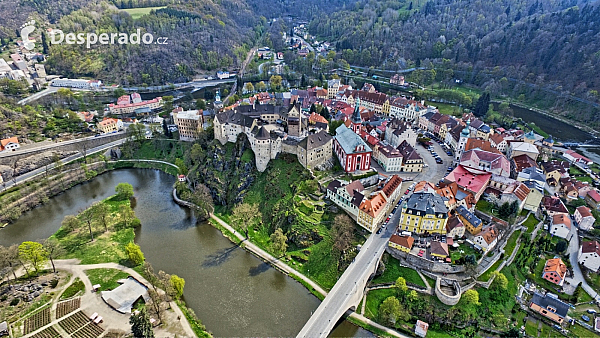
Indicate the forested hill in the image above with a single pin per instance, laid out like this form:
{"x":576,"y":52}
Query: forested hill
{"x":202,"y":35}
{"x":538,"y":41}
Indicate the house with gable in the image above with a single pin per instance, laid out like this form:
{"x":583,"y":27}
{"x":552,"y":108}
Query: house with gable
{"x":589,"y":255}
{"x":584,"y":218}
{"x":348,"y":196}
{"x":560,"y":226}
{"x":555,"y":271}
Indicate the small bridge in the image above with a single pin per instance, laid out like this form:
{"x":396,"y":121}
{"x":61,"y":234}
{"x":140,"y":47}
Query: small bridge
{"x":349,"y":289}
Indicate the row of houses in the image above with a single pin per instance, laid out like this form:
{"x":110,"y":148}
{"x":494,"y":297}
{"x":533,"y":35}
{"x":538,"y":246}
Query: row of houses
{"x":368,"y":209}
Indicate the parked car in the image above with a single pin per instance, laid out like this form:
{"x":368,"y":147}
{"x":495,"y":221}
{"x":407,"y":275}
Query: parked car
{"x":439,"y":161}
{"x":379,"y":231}
{"x":407,"y":191}
{"x":421,"y":252}
{"x":586,"y":318}
{"x":592,"y":311}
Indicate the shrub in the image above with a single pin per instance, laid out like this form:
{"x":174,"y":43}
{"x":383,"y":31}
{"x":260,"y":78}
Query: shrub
{"x":54,"y":283}
{"x":14,"y":301}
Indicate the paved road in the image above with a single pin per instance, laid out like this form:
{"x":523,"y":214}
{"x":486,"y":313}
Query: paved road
{"x":577,"y":273}
{"x":92,"y":303}
{"x":40,"y":171}
{"x":57,"y":144}
{"x":336,"y":303}
{"x":350,"y":283}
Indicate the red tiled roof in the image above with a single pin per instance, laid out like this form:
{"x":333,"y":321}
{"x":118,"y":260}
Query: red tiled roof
{"x":588,"y":247}
{"x":405,"y":241}
{"x":472,"y":180}
{"x":556,"y":265}
{"x":9,"y":140}
{"x":562,"y":219}
{"x":584,"y":211}
{"x":594,"y":195}
{"x":392,"y":184}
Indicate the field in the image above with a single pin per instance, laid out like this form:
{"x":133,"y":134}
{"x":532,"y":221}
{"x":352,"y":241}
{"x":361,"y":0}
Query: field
{"x":137,"y":13}
{"x":107,"y":278}
{"x":447,"y":108}
{"x":511,"y":243}
{"x":530,"y":223}
{"x":393,"y":270}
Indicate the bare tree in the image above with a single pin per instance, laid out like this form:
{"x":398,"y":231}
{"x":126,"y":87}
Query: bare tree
{"x":14,"y":165}
{"x":54,"y":249}
{"x":9,"y":258}
{"x":88,"y":217}
{"x":82,"y":148}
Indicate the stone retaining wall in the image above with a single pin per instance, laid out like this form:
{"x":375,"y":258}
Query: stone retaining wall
{"x":423,"y":263}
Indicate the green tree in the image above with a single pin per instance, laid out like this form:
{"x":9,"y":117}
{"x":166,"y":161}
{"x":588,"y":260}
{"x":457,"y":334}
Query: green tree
{"x":178,"y":283}
{"x":249,"y":87}
{"x":70,"y":223}
{"x":140,"y":324}
{"x":333,"y":125}
{"x":342,"y":232}
{"x":137,"y":131}
{"x":200,"y":104}
{"x":500,"y":281}
{"x":33,"y":254}
{"x":119,"y":92}
{"x":390,"y":310}
{"x":401,"y":285}
{"x":124,"y":191}
{"x":88,"y":217}
{"x":278,"y":242}
{"x":126,"y":214}
{"x":181,"y":167}
{"x":244,"y":215}
{"x":471,"y":297}
{"x":134,"y":253}
{"x":261,"y":86}
{"x":168,"y":103}
{"x":275,"y":82}
{"x":102,"y":212}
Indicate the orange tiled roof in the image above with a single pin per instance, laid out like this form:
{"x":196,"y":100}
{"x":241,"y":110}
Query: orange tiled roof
{"x":556,"y":265}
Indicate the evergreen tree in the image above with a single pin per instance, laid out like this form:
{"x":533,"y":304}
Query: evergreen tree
{"x":482,"y":105}
{"x":140,"y":324}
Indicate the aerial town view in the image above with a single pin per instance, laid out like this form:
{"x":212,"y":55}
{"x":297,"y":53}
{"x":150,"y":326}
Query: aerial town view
{"x":265,"y":168}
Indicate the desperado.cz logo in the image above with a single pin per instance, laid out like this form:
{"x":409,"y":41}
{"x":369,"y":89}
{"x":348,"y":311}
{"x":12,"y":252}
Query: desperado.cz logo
{"x":57,"y":37}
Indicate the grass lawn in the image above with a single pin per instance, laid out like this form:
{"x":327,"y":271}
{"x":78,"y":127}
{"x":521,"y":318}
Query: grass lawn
{"x":511,"y":244}
{"x":486,"y":207}
{"x":393,"y":270}
{"x":107,"y":278}
{"x":447,"y":108}
{"x":486,"y":275}
{"x":584,"y":179}
{"x":530,"y":223}
{"x":137,"y":13}
{"x":573,"y":170}
{"x":107,"y":246}
{"x":374,"y":299}
{"x":430,"y":281}
{"x":73,"y":289}
{"x":531,"y":328}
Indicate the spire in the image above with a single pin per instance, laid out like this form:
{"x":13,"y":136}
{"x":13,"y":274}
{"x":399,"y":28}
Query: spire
{"x":218,"y":96}
{"x":466,"y":132}
{"x":356,"y":115}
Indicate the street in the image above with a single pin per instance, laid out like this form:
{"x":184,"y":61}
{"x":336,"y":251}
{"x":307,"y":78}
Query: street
{"x":41,"y":170}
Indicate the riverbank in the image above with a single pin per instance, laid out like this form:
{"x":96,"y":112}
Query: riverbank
{"x":583,"y":128}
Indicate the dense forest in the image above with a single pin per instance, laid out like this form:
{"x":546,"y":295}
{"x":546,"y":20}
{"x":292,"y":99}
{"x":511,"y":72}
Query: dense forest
{"x":541,"y":41}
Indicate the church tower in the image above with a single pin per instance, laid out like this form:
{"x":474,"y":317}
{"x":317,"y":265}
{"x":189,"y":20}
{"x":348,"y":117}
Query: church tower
{"x":355,"y":119}
{"x":462,"y":141}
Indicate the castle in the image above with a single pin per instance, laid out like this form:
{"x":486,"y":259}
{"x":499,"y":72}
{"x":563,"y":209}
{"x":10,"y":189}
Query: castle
{"x":272,"y":130}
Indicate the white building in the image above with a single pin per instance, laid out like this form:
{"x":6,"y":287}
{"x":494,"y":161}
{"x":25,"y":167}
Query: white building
{"x":584,"y":218}
{"x":348,"y":196}
{"x":487,"y":239}
{"x":560,"y":225}
{"x":76,"y":83}
{"x":589,"y":255}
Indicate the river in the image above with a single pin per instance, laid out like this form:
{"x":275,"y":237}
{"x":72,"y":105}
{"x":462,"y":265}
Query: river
{"x":232,"y":292}
{"x":558,"y":129}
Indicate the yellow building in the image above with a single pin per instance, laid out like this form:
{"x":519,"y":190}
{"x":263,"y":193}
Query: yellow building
{"x":402,"y":243}
{"x":424,"y":211}
{"x":109,"y":125}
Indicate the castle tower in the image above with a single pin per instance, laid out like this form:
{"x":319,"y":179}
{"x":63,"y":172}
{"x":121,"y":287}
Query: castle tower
{"x":355,"y":119}
{"x":462,"y":141}
{"x":261,"y":146}
{"x":218,"y":103}
{"x":294,"y":121}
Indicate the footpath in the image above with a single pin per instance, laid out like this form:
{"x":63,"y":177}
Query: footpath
{"x":283,"y":267}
